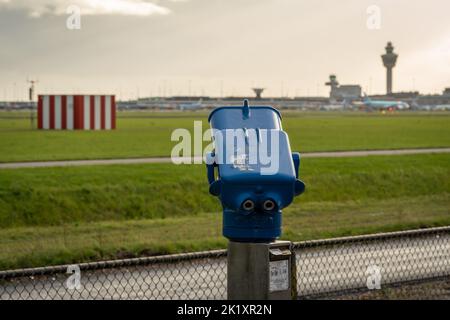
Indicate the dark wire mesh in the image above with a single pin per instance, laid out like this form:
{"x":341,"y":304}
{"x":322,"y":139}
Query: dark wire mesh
{"x":375,"y":266}
{"x":403,"y":265}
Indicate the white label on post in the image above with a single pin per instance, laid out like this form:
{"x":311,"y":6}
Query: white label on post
{"x":278,"y":275}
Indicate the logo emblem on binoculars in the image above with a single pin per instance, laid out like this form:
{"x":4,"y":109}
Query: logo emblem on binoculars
{"x":241,"y":162}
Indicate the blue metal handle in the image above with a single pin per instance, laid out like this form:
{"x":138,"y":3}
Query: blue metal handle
{"x":299,"y":185}
{"x":210,"y":164}
{"x":210,"y":173}
{"x":296,"y":159}
{"x":214,"y":185}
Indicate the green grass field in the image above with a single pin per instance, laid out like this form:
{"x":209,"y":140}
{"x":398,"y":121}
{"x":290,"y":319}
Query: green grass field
{"x":148,"y":134}
{"x":73,"y":214}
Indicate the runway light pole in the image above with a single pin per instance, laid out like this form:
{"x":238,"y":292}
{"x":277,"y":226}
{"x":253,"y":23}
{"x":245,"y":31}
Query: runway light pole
{"x":31,"y":92}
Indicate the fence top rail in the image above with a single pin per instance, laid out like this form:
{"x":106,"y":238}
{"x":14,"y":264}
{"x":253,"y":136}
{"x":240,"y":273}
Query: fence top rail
{"x":109,"y":264}
{"x":372,"y":237}
{"x":214,"y":254}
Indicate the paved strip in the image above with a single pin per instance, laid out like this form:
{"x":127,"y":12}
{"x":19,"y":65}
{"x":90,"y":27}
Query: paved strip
{"x":330,"y":154}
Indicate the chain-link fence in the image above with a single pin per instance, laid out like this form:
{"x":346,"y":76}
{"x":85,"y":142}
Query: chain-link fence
{"x":399,"y":265}
{"x":391,"y":265}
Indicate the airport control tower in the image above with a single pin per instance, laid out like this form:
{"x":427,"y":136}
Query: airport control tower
{"x":389,"y":60}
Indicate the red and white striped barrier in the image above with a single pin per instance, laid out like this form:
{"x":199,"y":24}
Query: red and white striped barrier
{"x":82,"y":112}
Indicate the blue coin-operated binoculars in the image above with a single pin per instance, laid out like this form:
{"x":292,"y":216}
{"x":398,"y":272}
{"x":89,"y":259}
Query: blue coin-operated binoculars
{"x":257,"y":175}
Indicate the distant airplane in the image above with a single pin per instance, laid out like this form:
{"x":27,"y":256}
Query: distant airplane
{"x":191,"y":106}
{"x":385,"y":104}
{"x":345,"y":104}
{"x":332,"y":107}
{"x":16,"y":106}
{"x":442,"y":107}
{"x":436,"y":107}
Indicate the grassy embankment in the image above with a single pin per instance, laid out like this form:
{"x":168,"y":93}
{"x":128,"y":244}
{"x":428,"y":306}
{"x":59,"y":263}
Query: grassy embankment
{"x":63,"y":215}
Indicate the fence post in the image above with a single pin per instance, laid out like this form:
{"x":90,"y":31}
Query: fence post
{"x":259,"y":271}
{"x":294,"y":288}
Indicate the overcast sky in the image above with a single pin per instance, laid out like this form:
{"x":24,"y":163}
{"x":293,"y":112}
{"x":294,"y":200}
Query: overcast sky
{"x":214,"y":47}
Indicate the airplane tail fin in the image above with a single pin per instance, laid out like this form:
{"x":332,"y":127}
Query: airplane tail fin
{"x":345,"y":102}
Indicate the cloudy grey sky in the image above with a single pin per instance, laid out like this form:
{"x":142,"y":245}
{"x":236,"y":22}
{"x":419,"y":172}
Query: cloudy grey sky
{"x":173,"y":47}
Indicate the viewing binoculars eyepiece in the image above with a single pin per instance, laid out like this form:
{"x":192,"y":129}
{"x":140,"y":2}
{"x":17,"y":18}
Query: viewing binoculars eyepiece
{"x":267,"y":205}
{"x":252,"y":170}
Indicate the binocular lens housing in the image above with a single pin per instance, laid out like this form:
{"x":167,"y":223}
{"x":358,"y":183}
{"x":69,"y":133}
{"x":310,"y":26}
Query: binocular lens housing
{"x":248,"y":205}
{"x":269,"y":205}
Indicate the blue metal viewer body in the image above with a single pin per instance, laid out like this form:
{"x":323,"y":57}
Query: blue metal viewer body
{"x":252,"y":170}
